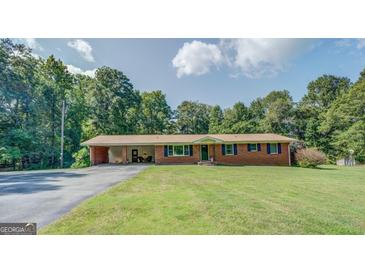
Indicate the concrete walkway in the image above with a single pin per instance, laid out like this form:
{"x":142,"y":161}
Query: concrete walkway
{"x":43,"y":196}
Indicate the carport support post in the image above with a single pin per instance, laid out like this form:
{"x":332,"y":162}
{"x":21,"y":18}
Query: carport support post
{"x":124,"y":154}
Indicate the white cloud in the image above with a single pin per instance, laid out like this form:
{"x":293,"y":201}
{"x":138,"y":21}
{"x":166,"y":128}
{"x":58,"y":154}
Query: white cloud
{"x":83,"y":47}
{"x":75,"y":70}
{"x":30,"y":43}
{"x":196,"y":58}
{"x":253,"y":58}
{"x":33,"y":43}
{"x":35,"y":55}
{"x":360,"y":43}
{"x":256,"y":58}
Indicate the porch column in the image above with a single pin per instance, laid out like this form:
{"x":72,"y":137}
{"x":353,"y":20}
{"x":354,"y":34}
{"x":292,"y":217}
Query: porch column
{"x":213,"y":152}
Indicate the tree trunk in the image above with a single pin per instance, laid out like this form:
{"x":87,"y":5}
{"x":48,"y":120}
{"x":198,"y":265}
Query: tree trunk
{"x":53,"y":133}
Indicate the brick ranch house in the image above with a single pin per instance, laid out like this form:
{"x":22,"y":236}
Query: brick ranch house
{"x":229,"y":149}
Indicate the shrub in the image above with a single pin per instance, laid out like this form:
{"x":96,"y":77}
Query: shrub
{"x":310,"y":157}
{"x":82,"y":158}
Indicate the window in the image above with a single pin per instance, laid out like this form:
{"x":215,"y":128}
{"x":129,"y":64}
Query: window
{"x":171,"y":150}
{"x":179,"y":150}
{"x":229,"y":149}
{"x":186,"y":150}
{"x":252,"y":147}
{"x":273,"y":148}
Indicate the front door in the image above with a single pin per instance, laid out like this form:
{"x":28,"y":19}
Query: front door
{"x":134,"y":155}
{"x":204,"y":152}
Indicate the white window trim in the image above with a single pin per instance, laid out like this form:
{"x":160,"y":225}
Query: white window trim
{"x":225,"y":149}
{"x":178,"y":155}
{"x":251,"y":150}
{"x":277,"y":148}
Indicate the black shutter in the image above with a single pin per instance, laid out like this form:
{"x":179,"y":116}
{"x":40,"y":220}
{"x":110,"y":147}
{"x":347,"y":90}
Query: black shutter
{"x":166,"y":151}
{"x":268,"y":148}
{"x":191,"y":150}
{"x":248,"y":147}
{"x":258,"y":147}
{"x":223,"y":149}
{"x":235,"y":149}
{"x":279,"y":148}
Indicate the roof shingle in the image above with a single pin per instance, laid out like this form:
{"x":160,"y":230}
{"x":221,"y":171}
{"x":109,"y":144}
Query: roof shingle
{"x":115,"y":140}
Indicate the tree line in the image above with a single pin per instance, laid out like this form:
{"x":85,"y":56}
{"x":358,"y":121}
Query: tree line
{"x":330,"y":116}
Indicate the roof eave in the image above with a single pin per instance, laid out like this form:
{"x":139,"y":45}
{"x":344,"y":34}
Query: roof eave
{"x":193,"y":143}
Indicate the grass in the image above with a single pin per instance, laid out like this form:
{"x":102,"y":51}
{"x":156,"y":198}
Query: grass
{"x":225,"y":200}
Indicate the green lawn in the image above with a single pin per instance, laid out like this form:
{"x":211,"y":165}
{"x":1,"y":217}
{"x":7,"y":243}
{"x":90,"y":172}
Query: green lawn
{"x":225,"y":200}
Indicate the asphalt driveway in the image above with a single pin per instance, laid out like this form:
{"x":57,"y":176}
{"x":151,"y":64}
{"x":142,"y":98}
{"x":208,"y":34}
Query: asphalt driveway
{"x":43,"y":196}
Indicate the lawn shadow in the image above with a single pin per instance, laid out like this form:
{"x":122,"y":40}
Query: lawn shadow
{"x":326,"y":168}
{"x":315,"y":168}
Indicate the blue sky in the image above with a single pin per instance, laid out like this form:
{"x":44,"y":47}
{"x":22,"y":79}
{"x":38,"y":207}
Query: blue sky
{"x":213,"y":71}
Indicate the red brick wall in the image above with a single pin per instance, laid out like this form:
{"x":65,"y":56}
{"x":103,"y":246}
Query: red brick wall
{"x":99,"y":155}
{"x":211,"y":149}
{"x":245,"y":157}
{"x":161,"y":159}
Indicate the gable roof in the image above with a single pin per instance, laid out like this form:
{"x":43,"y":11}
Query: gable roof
{"x":117,"y":140}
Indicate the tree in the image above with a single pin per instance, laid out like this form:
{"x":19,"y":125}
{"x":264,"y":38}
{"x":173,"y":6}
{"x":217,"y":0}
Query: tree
{"x":115,"y":103}
{"x":353,"y":139}
{"x":256,"y":113}
{"x":236,"y":119}
{"x":324,"y":90}
{"x":17,"y":101}
{"x":78,"y":112}
{"x":321,"y":94}
{"x":312,"y":134}
{"x":215,"y":119}
{"x":192,"y":118}
{"x":31,"y":94}
{"x":278,"y":109}
{"x":55,"y":83}
{"x":345,"y":122}
{"x":155,"y":113}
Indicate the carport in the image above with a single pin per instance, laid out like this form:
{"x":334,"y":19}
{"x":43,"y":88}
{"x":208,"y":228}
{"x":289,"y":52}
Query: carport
{"x":122,"y":154}
{"x":99,"y":155}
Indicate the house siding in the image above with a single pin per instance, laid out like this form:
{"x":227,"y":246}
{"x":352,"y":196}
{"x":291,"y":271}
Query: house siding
{"x":161,"y":159}
{"x":115,"y":155}
{"x":245,"y":157}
